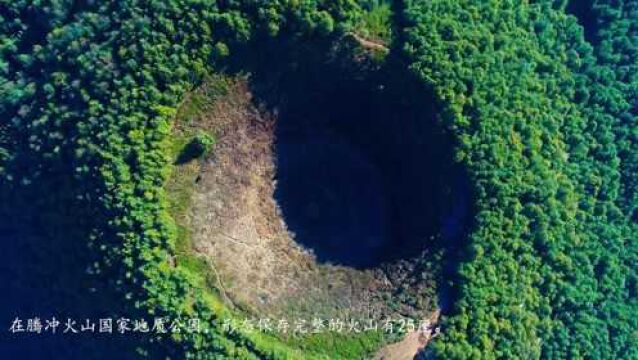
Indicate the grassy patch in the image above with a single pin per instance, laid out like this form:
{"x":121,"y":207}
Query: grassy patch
{"x":185,"y":170}
{"x":340,"y":346}
{"x":376,"y":21}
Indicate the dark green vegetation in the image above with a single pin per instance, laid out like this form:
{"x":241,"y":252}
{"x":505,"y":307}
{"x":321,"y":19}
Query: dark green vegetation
{"x":544,"y":122}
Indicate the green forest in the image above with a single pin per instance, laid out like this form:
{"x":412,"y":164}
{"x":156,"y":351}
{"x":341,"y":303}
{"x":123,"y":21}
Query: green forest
{"x":539,"y":99}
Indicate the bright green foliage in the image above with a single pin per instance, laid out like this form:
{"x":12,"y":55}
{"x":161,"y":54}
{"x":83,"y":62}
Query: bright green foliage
{"x":376,"y":20}
{"x":203,"y":141}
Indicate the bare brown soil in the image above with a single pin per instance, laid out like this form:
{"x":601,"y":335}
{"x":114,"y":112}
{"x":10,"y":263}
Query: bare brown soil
{"x":370,"y":44}
{"x":413,"y":342}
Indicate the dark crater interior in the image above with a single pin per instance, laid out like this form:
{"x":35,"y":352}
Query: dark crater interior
{"x":365,"y":173}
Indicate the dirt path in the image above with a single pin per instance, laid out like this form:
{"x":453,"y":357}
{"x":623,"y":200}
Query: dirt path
{"x":369,"y":44}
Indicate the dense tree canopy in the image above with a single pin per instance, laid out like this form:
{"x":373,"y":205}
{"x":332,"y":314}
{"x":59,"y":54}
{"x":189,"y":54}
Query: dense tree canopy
{"x":545,"y":123}
{"x":551,"y":264}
